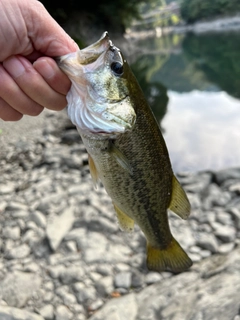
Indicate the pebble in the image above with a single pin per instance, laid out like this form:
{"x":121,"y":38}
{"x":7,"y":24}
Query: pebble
{"x":123,"y":280}
{"x":18,"y":252}
{"x":63,"y":313}
{"x":207,"y":241}
{"x":58,"y":226}
{"x":47,"y":312}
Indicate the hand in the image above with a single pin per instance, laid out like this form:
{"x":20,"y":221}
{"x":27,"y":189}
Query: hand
{"x":30,"y":79}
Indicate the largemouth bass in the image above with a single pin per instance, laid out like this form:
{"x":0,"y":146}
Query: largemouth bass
{"x":126,"y":149}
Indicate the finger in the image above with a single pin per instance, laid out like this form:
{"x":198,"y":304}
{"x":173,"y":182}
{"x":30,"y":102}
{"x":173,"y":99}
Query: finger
{"x":15,"y":97}
{"x":7,"y":113}
{"x":45,"y":33}
{"x":33,"y":84}
{"x":50,"y":71}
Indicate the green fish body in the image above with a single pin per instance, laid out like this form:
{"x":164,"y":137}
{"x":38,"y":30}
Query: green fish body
{"x":132,"y":162}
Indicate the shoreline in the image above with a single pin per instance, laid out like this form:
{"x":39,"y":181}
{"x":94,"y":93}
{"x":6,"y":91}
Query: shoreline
{"x":224,"y":24}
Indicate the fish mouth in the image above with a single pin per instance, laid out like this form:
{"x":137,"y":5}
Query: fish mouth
{"x":84,"y":56}
{"x":91,"y":53}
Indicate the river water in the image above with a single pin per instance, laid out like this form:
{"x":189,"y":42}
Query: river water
{"x":192,"y":83}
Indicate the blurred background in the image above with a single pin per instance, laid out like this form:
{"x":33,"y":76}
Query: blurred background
{"x":185,"y":55}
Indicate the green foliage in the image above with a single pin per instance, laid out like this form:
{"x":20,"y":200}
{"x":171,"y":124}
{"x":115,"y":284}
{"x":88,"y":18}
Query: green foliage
{"x":193,"y":10}
{"x":117,"y":14}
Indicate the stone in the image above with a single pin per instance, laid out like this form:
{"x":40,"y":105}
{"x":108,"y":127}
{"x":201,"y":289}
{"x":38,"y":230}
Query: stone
{"x":84,"y":293}
{"x":123,"y":280}
{"x":47,"y":312}
{"x":227,"y":174}
{"x":207,"y":241}
{"x":63,"y":313}
{"x":19,"y":252}
{"x":58,"y":226}
{"x":137,"y":279}
{"x":39,"y":219}
{"x":152,"y":277}
{"x":225,"y":233}
{"x":9,"y":313}
{"x":71,"y":274}
{"x":118,"y":309}
{"x":105,"y":286}
{"x":18,"y":287}
{"x":11,"y":232}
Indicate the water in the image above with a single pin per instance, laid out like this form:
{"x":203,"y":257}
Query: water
{"x":193,"y":86}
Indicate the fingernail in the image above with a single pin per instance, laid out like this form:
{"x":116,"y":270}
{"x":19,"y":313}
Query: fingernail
{"x":46,"y":69}
{"x":14,"y":66}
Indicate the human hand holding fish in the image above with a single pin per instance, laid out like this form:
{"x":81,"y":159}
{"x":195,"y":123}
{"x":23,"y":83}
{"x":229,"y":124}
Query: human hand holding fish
{"x":30,"y":79}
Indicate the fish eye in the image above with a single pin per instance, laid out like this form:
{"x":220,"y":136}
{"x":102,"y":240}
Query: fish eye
{"x":117,"y":68}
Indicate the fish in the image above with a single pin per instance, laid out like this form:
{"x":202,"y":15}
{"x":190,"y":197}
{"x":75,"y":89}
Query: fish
{"x":126,"y":149}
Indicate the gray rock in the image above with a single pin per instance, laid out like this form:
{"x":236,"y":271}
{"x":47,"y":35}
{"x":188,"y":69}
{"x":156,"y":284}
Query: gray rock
{"x":152,"y":277}
{"x":225,"y":233}
{"x":84,"y":293}
{"x":207,"y":241}
{"x":118,"y":309}
{"x":123,"y":280}
{"x":9,"y":313}
{"x":58,"y":226}
{"x":7,"y":188}
{"x":19,"y":252}
{"x":63,"y":313}
{"x":18,"y":287}
{"x":227,"y":174}
{"x":235,"y":212}
{"x":11,"y":232}
{"x":105,"y":286}
{"x":47,"y":312}
{"x":39,"y":219}
{"x":137,"y":279}
{"x":71,"y":274}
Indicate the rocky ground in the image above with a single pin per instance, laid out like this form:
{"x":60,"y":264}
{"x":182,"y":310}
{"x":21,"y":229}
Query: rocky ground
{"x":63,"y":257}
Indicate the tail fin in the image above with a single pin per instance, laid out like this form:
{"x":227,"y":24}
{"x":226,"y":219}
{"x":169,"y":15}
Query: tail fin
{"x":173,"y":258}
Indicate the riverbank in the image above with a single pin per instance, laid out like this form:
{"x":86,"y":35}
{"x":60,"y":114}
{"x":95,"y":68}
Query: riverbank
{"x":224,"y":24}
{"x":64,"y":257}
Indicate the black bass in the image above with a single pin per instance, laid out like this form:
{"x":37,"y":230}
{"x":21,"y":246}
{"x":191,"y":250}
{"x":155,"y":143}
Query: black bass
{"x":126,"y":149}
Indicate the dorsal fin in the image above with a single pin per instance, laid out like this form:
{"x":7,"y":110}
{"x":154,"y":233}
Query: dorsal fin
{"x":179,"y":202}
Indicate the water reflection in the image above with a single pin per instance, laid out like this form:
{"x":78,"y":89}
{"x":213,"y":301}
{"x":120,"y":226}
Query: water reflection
{"x":202,"y":75}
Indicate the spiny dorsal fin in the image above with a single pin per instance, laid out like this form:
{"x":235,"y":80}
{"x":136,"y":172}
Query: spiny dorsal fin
{"x":179,"y":203}
{"x":125,"y":223}
{"x":93,"y":171}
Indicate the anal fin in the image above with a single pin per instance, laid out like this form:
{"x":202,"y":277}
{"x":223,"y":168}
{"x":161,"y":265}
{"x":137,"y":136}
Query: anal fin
{"x":125,"y":223}
{"x":173,"y":258}
{"x":179,"y":203}
{"x":93,"y":171}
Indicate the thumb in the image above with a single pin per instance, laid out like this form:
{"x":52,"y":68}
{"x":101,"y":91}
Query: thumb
{"x":45,"y":33}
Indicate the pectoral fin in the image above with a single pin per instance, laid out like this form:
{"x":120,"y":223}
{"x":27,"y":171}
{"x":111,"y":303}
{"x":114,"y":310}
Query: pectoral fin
{"x":93,"y":171}
{"x":120,"y":157}
{"x":179,"y":203}
{"x":125,"y":223}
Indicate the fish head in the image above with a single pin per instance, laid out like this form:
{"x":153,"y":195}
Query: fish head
{"x":99,"y":100}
